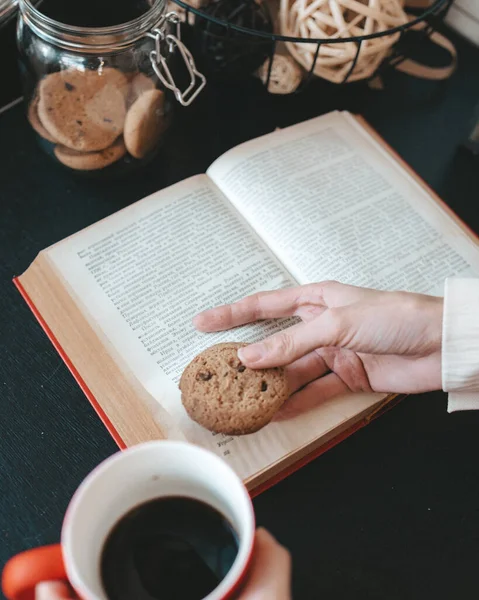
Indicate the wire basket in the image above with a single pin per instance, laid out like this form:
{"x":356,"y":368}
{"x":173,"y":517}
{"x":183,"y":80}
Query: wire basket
{"x":234,"y":38}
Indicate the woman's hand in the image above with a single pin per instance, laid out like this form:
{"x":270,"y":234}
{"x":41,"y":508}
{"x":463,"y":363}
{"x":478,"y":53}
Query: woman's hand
{"x":54,"y":590}
{"x":350,"y":339}
{"x":270,"y":575}
{"x":268,"y":578}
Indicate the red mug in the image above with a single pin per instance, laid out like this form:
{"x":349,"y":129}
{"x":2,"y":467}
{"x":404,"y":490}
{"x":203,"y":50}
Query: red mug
{"x":123,"y":481}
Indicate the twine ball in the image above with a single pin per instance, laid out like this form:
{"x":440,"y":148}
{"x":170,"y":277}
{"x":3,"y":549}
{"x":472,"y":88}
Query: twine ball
{"x":285,"y":74}
{"x":322,"y":19}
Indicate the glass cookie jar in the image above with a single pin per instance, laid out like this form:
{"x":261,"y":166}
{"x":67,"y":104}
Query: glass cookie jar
{"x":100,"y":96}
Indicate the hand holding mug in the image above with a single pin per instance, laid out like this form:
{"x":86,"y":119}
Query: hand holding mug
{"x":128,"y":488}
{"x":268,"y":577}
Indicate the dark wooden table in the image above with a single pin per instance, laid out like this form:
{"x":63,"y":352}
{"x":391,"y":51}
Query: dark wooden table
{"x":392,"y":512}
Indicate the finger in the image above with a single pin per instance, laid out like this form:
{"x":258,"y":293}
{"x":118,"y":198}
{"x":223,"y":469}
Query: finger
{"x":348,"y":366}
{"x":270,"y":573}
{"x":304,"y":370}
{"x":304,"y":301}
{"x":403,"y":374}
{"x":329,"y":329}
{"x":308,"y":312}
{"x":52,"y":590}
{"x":369,"y":327}
{"x":333,"y":294}
{"x":263,"y":305}
{"x":311,"y":396}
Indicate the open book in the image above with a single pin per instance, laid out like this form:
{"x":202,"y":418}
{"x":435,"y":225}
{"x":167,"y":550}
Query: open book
{"x":324,"y":199}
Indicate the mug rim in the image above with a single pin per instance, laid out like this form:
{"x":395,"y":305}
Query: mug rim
{"x":238,"y":570}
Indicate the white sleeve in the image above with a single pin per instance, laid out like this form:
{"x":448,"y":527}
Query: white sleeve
{"x":460,"y":344}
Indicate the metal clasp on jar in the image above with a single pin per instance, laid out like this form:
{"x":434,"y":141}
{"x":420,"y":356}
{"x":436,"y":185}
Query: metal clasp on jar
{"x":160,"y":66}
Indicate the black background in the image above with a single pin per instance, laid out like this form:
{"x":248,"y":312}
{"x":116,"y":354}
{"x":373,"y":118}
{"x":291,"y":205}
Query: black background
{"x":392,"y":512}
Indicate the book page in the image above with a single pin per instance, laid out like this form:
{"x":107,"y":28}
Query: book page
{"x":140,"y":276}
{"x":333,"y":204}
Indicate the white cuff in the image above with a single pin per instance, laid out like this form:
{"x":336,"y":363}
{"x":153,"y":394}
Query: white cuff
{"x":462,"y":401}
{"x":460,"y":343}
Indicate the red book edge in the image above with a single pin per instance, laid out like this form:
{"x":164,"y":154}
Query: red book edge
{"x":384,"y":407}
{"x":121,"y":444}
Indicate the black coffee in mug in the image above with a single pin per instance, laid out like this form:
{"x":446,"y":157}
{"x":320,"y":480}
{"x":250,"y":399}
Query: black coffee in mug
{"x":171,"y":548}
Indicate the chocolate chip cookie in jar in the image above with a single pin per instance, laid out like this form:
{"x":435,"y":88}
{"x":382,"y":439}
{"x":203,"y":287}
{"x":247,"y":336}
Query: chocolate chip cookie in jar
{"x":102,"y":78}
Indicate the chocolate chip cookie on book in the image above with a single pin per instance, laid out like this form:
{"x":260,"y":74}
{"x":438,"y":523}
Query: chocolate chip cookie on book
{"x":224,"y":396}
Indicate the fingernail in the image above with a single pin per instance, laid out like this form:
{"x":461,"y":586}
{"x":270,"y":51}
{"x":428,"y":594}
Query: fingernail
{"x":200,"y":321}
{"x":251,"y":354}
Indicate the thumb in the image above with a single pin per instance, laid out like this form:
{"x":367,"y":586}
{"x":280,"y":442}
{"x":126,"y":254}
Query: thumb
{"x":270,"y":571}
{"x":53,"y":590}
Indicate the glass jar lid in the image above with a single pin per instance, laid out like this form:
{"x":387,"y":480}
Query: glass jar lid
{"x":49,"y":21}
{"x":7,"y":9}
